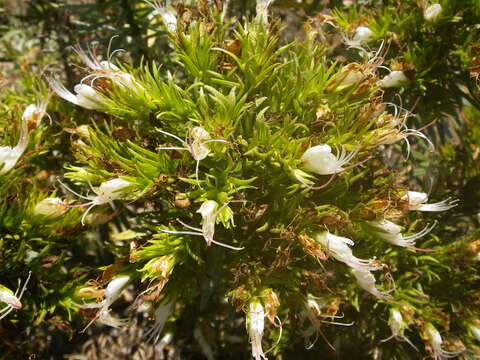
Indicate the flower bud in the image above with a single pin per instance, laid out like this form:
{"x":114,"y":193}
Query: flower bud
{"x":8,"y":297}
{"x":50,"y":207}
{"x":432,"y":13}
{"x":395,"y":79}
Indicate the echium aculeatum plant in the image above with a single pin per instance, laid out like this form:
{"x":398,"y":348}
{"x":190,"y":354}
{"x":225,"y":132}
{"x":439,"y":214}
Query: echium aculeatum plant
{"x":250,"y":172}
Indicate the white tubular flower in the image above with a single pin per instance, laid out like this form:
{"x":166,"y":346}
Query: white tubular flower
{"x":403,"y":132}
{"x":195,"y":144}
{"x":255,"y":321}
{"x":162,"y":313}
{"x":50,"y":207}
{"x":8,"y":297}
{"x":34,"y":114}
{"x":105,"y":69}
{"x":209,"y":213}
{"x":314,"y":313}
{"x":398,"y":327}
{"x":11,"y":299}
{"x":106,"y":193}
{"x":338,"y":247}
{"x":319,"y":159}
{"x":85,"y":96}
{"x":168,"y":14}
{"x":416,"y":201}
{"x":262,"y":10}
{"x":367,"y":281}
{"x":432,"y":13}
{"x":112,"y":293}
{"x":363,"y":35}
{"x":396,"y":78}
{"x":9,"y":156}
{"x":435,"y":340}
{"x":115,"y":288}
{"x":111,"y":190}
{"x":392,"y":233}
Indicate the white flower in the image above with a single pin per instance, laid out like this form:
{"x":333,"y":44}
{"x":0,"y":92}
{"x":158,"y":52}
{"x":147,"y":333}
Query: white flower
{"x":34,"y":113}
{"x":112,"y":293}
{"x":392,"y":233}
{"x":396,"y":78}
{"x":319,"y":159}
{"x":433,"y":12}
{"x":313,"y":308}
{"x":398,"y":327}
{"x":209,"y":213}
{"x":8,"y":297}
{"x":12,"y":299}
{"x":9,"y":156}
{"x":367,"y":281}
{"x":85,"y":96}
{"x":393,"y":135}
{"x":435,"y":340}
{"x":363,"y":35}
{"x":169,"y":15}
{"x":255,"y":321}
{"x":105,"y":194}
{"x":50,"y":207}
{"x":475,"y":330}
{"x":162,"y":313}
{"x":416,"y":201}
{"x":338,"y":247}
{"x":105,"y":69}
{"x":195,"y":144}
{"x":262,"y":10}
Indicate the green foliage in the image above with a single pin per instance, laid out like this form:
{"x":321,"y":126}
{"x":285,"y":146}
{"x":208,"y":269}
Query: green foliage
{"x":216,"y":178}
